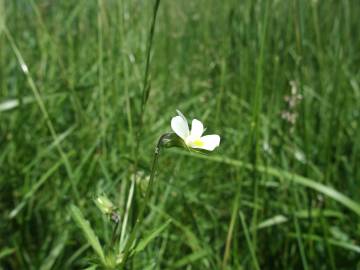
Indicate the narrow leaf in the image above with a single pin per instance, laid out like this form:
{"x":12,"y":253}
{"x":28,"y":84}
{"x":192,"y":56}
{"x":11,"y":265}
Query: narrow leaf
{"x":88,"y":231}
{"x":152,"y":235}
{"x":289,"y":176}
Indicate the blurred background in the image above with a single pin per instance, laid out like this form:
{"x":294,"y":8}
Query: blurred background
{"x":277,"y":80}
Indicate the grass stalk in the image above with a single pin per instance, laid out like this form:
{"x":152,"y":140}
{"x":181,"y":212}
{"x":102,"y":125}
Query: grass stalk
{"x":44,"y":111}
{"x":257,"y":103}
{"x":100,"y":19}
{"x":144,"y":203}
{"x":249,"y":242}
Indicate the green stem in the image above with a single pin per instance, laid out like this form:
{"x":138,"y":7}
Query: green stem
{"x":140,"y":216}
{"x":146,"y":87}
{"x":145,"y":91}
{"x":113,"y":238}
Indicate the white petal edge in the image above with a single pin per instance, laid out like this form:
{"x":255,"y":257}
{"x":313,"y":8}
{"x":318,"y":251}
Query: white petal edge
{"x":182,"y":116}
{"x":180,"y":126}
{"x":197,"y":128}
{"x":210,"y":142}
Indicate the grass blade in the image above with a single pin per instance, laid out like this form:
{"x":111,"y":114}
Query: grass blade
{"x":248,"y":241}
{"x":281,"y":174}
{"x":152,"y":235}
{"x":88,"y":231}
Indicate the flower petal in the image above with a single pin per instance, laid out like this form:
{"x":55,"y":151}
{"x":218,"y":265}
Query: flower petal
{"x":209,"y":142}
{"x":180,"y":126}
{"x":197,"y":128}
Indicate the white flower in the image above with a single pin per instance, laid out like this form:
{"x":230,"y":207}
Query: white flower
{"x":193,"y":138}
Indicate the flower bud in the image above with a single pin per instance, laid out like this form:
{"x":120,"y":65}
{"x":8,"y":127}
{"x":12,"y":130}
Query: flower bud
{"x":171,"y":140}
{"x":142,"y":181}
{"x":105,"y":205}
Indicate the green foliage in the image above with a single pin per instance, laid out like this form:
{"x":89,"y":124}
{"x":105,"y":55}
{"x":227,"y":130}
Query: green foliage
{"x":88,"y":87}
{"x":87,"y":231}
{"x":152,"y":235}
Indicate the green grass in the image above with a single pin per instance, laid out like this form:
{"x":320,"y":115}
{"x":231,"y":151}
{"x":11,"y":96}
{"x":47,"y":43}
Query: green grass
{"x":86,"y":91}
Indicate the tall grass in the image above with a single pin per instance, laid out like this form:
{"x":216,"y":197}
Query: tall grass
{"x":88,"y":87}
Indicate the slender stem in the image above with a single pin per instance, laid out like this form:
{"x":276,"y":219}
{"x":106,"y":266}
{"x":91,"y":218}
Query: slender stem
{"x":115,"y":217}
{"x":257,"y":103}
{"x":127,"y":210}
{"x":146,"y":87}
{"x":249,"y":241}
{"x":145,"y":90}
{"x":113,"y":238}
{"x":145,"y":95}
{"x":140,"y":216}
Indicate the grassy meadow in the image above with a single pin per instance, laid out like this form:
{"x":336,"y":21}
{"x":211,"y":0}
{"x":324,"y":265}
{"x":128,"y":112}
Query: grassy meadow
{"x":88,"y":87}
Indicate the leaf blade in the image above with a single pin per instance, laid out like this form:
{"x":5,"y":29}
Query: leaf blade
{"x":88,"y":231}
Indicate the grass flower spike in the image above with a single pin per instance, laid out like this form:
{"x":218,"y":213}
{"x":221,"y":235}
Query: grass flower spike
{"x":193,"y":138}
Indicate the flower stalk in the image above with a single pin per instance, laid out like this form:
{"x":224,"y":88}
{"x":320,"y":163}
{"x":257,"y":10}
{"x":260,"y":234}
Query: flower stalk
{"x":163,"y":141}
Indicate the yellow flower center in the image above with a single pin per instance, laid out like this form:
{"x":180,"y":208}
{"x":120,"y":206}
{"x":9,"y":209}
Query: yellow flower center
{"x":198,"y":143}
